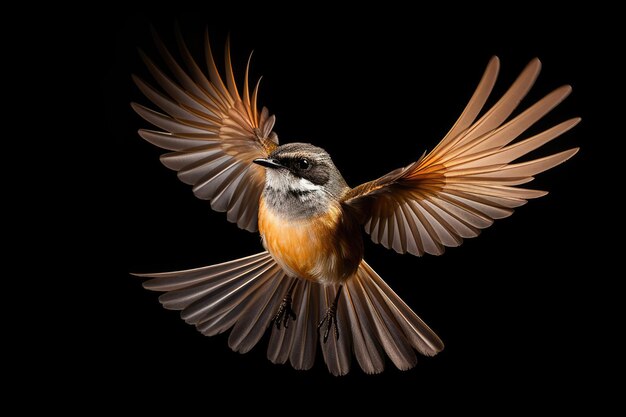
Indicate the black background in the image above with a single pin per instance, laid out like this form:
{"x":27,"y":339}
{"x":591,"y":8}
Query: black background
{"x":521,"y":308}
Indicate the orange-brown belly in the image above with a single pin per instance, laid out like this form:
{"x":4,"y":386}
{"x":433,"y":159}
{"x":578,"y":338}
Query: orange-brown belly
{"x":324,"y":248}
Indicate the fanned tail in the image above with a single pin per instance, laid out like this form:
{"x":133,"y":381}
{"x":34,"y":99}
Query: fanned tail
{"x":374,"y":321}
{"x":246,"y":293}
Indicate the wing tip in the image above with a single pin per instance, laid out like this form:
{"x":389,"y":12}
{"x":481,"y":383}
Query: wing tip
{"x":564,"y":90}
{"x":144,"y":57}
{"x":539,"y":194}
{"x":532,"y":69}
{"x":140,"y":109}
{"x":574,"y":151}
{"x":535,"y":62}
{"x":569,"y":153}
{"x":561,"y":157}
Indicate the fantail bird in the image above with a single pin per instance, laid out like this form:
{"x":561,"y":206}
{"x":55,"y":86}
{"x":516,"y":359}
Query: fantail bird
{"x":311,"y":282}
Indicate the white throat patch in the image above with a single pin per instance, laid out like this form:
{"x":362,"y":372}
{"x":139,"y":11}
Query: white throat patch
{"x":304,"y":185}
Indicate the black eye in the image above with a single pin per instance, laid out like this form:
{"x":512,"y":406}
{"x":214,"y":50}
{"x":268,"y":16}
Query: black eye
{"x":303,"y":164}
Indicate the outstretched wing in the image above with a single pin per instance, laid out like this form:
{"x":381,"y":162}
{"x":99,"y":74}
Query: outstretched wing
{"x":468,"y":179}
{"x":214,"y":133}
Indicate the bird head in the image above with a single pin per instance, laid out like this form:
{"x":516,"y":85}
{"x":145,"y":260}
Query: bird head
{"x":301,"y":177}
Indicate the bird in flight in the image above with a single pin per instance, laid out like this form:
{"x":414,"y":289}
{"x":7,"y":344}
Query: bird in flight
{"x":311,"y":285}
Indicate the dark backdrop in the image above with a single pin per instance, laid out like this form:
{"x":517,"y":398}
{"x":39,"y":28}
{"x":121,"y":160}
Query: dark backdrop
{"x":517,"y":307}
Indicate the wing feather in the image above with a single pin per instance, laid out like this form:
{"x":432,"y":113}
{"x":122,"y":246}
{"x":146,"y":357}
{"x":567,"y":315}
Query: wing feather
{"x":214,"y":134}
{"x":168,"y":141}
{"x":469,"y":179}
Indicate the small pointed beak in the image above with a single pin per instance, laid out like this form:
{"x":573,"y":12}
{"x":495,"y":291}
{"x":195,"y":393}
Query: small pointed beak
{"x":268,"y":162}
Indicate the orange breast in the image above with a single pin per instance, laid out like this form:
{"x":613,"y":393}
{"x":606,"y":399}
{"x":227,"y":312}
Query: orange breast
{"x":321,"y":248}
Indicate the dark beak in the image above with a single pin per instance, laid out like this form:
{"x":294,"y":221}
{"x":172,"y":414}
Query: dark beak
{"x":268,"y":162}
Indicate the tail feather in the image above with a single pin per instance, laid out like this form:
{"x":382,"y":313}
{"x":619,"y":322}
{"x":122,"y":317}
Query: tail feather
{"x":257,"y":315}
{"x":221,"y":322}
{"x":298,"y":342}
{"x":279,"y":346}
{"x":423,"y":339}
{"x":169,"y":281}
{"x":366,"y":348}
{"x":221,"y":284}
{"x":304,"y":344}
{"x":390,"y":334}
{"x":336,"y":352}
{"x":226,"y":297}
{"x":245,"y":294}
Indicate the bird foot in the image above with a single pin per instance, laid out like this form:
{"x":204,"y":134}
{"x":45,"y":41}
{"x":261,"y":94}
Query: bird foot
{"x":330,"y":319}
{"x":284,"y":313}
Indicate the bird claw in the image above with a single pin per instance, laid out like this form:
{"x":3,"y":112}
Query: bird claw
{"x":284,"y":313}
{"x":330,"y":318}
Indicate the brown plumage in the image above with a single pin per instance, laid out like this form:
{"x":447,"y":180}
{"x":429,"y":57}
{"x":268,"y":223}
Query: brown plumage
{"x":309,"y":219}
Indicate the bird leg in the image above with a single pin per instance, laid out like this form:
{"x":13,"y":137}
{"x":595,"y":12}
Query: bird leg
{"x":330,"y":318}
{"x":285,"y":312}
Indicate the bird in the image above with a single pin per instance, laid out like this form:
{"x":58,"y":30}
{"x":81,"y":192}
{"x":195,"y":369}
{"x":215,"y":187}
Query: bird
{"x":310,"y":286}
